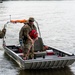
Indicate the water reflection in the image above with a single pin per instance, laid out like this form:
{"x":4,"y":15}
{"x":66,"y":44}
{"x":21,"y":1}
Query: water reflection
{"x":60,"y":71}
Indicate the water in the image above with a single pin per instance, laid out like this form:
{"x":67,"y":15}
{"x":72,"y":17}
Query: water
{"x":57,"y":26}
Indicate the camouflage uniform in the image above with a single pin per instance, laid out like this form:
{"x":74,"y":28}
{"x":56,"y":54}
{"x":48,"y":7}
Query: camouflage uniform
{"x":28,"y":49}
{"x":2,"y":33}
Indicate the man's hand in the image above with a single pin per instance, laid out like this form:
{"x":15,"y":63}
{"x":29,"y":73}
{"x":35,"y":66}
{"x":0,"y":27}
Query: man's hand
{"x":21,"y":41}
{"x":32,"y":41}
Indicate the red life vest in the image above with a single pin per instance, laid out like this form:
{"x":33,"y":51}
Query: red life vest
{"x":33,"y":34}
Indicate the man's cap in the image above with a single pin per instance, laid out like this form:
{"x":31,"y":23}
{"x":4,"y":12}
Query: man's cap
{"x":31,"y":19}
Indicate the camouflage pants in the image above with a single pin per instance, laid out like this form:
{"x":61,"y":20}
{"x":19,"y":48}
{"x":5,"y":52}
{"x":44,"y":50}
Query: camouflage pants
{"x":28,"y":50}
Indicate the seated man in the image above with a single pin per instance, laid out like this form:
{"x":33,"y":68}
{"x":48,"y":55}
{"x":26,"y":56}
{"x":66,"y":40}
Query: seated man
{"x":2,"y":33}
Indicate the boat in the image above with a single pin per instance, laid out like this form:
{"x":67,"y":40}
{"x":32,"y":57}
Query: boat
{"x":45,"y":57}
{"x":50,"y":58}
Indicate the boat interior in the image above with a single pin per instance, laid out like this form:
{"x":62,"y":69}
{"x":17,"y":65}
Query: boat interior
{"x":40,"y":50}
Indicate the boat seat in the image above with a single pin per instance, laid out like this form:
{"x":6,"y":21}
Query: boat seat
{"x":39,"y":54}
{"x":38,"y":45}
{"x":38,"y":49}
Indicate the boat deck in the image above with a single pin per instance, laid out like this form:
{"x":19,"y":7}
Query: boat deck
{"x":40,"y":58}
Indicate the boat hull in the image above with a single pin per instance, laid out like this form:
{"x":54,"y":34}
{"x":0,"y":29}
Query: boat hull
{"x":41,"y":63}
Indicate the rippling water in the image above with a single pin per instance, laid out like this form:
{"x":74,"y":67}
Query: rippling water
{"x":57,"y":25}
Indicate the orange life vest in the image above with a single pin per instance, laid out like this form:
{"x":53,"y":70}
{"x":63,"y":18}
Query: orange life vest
{"x":18,"y":21}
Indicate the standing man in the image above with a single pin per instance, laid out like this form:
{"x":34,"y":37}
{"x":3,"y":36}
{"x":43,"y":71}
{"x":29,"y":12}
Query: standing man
{"x":27,"y":36}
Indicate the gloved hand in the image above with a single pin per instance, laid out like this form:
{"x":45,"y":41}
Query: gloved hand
{"x":21,"y":41}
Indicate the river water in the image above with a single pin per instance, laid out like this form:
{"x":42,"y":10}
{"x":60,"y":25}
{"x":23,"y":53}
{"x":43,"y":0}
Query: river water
{"x":56,"y":20}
